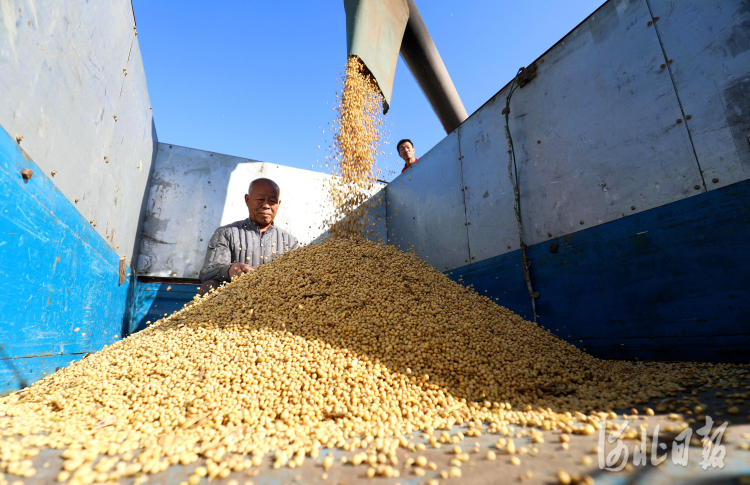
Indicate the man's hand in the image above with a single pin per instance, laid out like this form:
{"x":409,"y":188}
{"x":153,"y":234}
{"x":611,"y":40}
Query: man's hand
{"x":238,"y":269}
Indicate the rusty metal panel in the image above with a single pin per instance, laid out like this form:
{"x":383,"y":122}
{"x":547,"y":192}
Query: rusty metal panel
{"x":598,"y":132}
{"x":707,"y":44}
{"x":493,"y":229}
{"x":194,"y":191}
{"x":425,"y":207}
{"x":63,"y":79}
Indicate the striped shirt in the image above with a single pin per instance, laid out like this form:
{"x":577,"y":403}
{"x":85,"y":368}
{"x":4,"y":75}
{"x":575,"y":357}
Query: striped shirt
{"x":242,"y":242}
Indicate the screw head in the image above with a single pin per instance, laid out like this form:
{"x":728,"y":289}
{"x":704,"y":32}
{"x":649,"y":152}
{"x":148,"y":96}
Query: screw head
{"x":649,"y":23}
{"x":679,"y":121}
{"x":688,"y":117}
{"x":697,"y":187}
{"x":27,"y":173}
{"x":663,"y":66}
{"x":581,"y":222}
{"x":632,"y":208}
{"x":716,"y":181}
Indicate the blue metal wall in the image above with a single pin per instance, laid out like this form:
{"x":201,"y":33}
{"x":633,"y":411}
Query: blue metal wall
{"x":670,"y":283}
{"x":59,"y":279}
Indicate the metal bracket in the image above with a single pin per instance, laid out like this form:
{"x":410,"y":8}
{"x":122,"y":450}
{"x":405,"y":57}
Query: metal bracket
{"x":123,"y":268}
{"x":526,"y":75}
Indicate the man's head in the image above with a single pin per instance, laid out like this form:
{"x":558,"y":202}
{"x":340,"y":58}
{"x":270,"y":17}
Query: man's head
{"x":263,"y":199}
{"x":405,"y":150}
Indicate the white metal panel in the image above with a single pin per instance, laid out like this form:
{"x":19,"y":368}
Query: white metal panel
{"x":596,"y":132}
{"x":708,"y":42}
{"x":425,"y":207}
{"x":123,"y":190}
{"x":61,"y":77}
{"x":488,"y":192}
{"x":193,"y":192}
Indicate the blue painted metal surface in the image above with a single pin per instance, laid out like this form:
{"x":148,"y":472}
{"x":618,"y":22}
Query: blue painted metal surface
{"x":155,"y":299}
{"x":670,"y":283}
{"x":59,"y":279}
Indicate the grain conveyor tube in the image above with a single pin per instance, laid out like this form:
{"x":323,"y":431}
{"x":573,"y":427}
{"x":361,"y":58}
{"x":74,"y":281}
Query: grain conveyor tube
{"x":377,"y":30}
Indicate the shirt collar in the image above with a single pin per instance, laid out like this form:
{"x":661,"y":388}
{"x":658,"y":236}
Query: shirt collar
{"x":254,"y":226}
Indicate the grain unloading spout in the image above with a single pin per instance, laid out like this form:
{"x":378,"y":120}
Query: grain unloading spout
{"x":377,"y":30}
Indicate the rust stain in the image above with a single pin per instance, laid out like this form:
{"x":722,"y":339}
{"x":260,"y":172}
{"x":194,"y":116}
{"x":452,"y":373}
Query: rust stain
{"x":57,"y":260}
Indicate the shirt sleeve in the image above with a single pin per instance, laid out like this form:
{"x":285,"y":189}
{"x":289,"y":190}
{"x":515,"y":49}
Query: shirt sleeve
{"x":218,"y":258}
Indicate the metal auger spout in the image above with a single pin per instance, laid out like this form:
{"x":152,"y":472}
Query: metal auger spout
{"x":377,"y":30}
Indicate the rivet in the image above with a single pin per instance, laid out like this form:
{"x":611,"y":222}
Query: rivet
{"x":539,"y":142}
{"x":581,"y":222}
{"x":536,"y":295}
{"x":679,"y":120}
{"x":716,"y":181}
{"x":663,"y":66}
{"x":656,"y":18}
{"x":649,"y":23}
{"x":688,"y":117}
{"x":19,"y":138}
{"x":670,"y":61}
{"x":632,"y":207}
{"x":549,"y":234}
{"x":27,"y":173}
{"x":697,"y":187}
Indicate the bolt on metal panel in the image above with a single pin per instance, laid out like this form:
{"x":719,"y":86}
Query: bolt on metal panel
{"x":707,"y":48}
{"x":193,"y":192}
{"x":597,"y":133}
{"x":492,"y":225}
{"x":426,"y":208}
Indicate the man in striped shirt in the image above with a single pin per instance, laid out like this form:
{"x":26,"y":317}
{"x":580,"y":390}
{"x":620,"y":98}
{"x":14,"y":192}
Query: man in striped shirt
{"x":242,"y":246}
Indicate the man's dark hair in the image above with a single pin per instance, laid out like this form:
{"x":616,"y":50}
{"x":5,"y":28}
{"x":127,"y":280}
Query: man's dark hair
{"x":268,"y":181}
{"x":398,"y":145}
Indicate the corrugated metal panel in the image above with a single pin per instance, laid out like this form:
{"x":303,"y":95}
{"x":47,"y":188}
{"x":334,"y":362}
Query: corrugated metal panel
{"x":488,"y":192}
{"x":708,"y":42}
{"x":426,"y":208}
{"x":597,"y":133}
{"x":63,"y":80}
{"x":193,"y":192}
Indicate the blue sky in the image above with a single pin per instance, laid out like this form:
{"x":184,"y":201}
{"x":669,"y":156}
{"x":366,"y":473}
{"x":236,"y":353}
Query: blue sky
{"x":257,"y":79}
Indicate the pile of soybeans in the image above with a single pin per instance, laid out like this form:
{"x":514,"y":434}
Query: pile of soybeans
{"x":340,"y":344}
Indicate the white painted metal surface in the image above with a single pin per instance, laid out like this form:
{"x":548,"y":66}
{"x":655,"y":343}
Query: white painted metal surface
{"x":63,"y":79}
{"x":426,"y":208}
{"x":596,"y":132}
{"x":488,"y":192}
{"x":194,"y":191}
{"x":708,"y":44}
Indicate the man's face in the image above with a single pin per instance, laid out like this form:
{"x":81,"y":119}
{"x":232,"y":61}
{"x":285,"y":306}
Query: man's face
{"x":406,"y":151}
{"x":262,"y":203}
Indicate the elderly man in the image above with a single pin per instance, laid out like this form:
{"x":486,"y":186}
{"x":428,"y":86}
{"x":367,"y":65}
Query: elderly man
{"x":242,"y":246}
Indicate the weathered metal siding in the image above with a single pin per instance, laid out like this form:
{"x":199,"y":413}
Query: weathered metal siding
{"x":487,"y":189}
{"x":707,"y":48}
{"x":67,"y":68}
{"x":598,"y":133}
{"x":425,"y":206}
{"x":193,"y":192}
{"x":58,"y":277}
{"x":632,"y":251}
